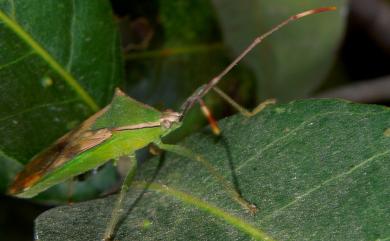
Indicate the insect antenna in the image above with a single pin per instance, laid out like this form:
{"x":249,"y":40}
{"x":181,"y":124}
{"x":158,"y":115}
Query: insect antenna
{"x":204,"y":89}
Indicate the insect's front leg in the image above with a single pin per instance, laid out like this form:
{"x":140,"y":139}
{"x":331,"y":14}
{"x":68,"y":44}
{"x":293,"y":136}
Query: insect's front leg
{"x":118,"y":210}
{"x":241,"y":109}
{"x":229,"y":187}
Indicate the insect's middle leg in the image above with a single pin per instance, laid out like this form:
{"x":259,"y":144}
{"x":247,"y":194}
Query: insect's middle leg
{"x":241,"y":109}
{"x":229,"y":187}
{"x":118,"y":210}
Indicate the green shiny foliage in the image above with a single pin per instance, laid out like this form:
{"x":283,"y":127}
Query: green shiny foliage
{"x":316,"y":170}
{"x":59,"y":62}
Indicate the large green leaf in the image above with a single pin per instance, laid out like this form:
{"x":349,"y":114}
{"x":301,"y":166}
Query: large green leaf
{"x":59,"y":61}
{"x":295,"y":60}
{"x":316,"y":170}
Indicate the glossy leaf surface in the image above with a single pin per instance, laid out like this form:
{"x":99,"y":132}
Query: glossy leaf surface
{"x":59,"y":62}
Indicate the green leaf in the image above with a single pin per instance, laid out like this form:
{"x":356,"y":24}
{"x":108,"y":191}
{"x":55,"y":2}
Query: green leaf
{"x":9,"y":168}
{"x":59,"y":61}
{"x":316,"y":170}
{"x":294,"y":61}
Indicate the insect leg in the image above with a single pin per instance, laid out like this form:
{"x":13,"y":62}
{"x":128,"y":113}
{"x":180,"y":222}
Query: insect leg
{"x":204,"y":89}
{"x":240,"y":108}
{"x":70,"y":192}
{"x":230,"y":189}
{"x":117,"y":211}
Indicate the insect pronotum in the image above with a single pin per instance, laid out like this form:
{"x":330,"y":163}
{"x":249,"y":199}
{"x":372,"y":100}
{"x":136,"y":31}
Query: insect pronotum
{"x":99,"y":139}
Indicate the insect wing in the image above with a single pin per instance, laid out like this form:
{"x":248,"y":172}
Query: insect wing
{"x":63,"y":150}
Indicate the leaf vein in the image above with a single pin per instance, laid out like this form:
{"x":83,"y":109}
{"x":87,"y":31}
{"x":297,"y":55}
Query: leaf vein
{"x":34,"y":108}
{"x":13,"y":13}
{"x":239,"y":223}
{"x":8,"y":157}
{"x":15,"y":61}
{"x":71,"y":37}
{"x":113,"y":62}
{"x":334,"y":178}
{"x":67,"y":77}
{"x":383,"y":239}
{"x":295,"y":130}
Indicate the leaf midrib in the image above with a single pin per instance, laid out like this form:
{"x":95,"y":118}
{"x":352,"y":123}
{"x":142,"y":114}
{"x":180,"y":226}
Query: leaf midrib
{"x":39,"y":50}
{"x":237,"y":222}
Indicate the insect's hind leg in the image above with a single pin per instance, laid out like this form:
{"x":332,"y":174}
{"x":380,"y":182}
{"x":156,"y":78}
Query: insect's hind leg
{"x":241,"y":109}
{"x":229,"y":187}
{"x":118,"y":210}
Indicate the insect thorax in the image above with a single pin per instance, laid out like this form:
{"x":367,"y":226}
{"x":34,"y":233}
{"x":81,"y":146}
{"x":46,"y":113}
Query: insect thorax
{"x":169,"y":118}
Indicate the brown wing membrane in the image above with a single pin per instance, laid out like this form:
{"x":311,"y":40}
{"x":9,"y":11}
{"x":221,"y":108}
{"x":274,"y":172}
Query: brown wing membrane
{"x":68,"y":146}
